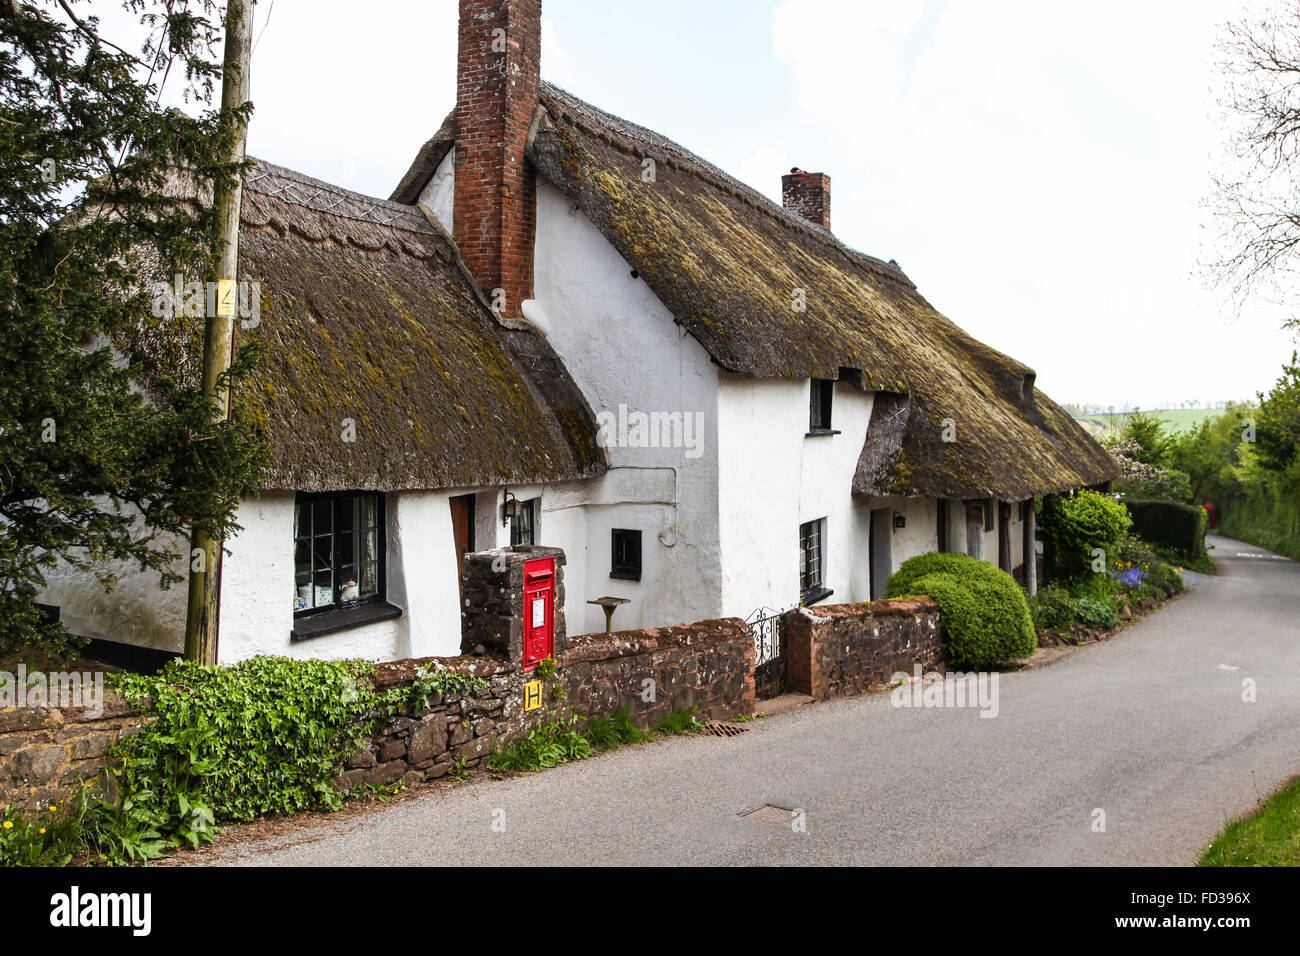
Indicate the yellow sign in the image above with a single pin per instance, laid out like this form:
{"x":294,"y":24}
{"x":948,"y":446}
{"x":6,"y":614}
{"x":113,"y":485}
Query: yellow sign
{"x":226,"y":298}
{"x":532,"y":695}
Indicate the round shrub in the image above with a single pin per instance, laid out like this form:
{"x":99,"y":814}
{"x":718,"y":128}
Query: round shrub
{"x":1078,"y":525}
{"x":984,"y":613}
{"x":936,"y":562}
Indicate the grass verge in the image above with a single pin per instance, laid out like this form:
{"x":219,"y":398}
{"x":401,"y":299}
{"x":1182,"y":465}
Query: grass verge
{"x":1270,"y":836}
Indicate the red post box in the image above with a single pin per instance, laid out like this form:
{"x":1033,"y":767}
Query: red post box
{"x":539,"y":611}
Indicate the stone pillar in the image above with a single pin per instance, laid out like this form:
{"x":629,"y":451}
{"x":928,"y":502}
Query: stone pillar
{"x":492,"y":601}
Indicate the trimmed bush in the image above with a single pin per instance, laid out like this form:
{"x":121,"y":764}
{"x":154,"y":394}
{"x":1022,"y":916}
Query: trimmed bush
{"x":935,"y":562}
{"x":1078,"y":525}
{"x":984,"y":613}
{"x":1170,"y":524}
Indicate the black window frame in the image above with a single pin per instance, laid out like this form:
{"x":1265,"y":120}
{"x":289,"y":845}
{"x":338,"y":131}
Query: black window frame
{"x":517,"y":523}
{"x":942,"y":520}
{"x":812,"y":587}
{"x":339,"y":605}
{"x":625,"y":554}
{"x":821,"y":406}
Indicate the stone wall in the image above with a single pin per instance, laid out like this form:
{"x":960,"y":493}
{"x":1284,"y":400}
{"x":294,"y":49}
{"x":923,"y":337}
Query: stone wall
{"x":708,"y":665}
{"x":47,"y":752}
{"x":847,"y":649}
{"x":423,"y":747}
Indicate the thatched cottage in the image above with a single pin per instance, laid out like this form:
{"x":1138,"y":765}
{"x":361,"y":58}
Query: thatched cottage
{"x":564,"y":329}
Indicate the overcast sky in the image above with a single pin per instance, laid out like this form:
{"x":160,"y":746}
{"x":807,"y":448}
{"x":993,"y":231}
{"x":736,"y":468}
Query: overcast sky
{"x":1036,"y":168}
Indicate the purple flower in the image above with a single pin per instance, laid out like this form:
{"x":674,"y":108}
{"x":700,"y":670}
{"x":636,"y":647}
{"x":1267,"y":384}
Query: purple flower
{"x":1132,"y":578}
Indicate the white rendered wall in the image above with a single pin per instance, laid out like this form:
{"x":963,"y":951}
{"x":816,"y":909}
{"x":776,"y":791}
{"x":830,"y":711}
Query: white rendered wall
{"x":774,"y":477}
{"x":440,"y":193}
{"x":919,"y":535}
{"x":622,"y":347}
{"x":136,"y":611}
{"x":421,"y":569}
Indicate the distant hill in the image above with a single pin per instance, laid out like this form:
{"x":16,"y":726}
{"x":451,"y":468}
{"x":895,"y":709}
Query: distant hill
{"x":1175,"y":419}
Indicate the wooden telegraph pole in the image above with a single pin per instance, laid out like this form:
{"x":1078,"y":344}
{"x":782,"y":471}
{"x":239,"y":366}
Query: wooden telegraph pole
{"x":219,"y":331}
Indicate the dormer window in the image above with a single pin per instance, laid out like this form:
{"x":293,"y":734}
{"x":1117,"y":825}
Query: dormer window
{"x":820,"y":396}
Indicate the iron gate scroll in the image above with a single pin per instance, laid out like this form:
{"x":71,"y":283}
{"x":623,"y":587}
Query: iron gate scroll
{"x":769,"y":653}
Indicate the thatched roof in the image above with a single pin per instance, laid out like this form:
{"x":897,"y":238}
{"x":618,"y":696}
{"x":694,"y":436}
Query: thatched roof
{"x":725,"y":261}
{"x":367,"y":313}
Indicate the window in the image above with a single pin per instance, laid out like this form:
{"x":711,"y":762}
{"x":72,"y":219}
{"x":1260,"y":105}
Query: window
{"x":625,"y":555}
{"x":522,"y":523}
{"x":943,"y":524}
{"x":339,"y":552}
{"x":988,"y":513}
{"x":811,"y":561}
{"x":819,"y":406}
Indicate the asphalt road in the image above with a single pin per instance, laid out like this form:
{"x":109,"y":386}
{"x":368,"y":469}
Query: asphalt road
{"x":1149,"y":727}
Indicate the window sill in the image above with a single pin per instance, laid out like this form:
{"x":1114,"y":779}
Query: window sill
{"x":812,"y":597}
{"x":625,"y":575}
{"x":331,"y":622}
{"x":818,"y":432}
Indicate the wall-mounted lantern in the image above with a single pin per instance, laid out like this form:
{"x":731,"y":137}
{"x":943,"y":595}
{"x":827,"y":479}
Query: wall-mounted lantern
{"x":899,"y":521}
{"x":508,"y":508}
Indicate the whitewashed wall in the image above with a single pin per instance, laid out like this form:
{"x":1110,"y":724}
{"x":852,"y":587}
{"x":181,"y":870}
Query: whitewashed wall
{"x":773,"y":477}
{"x":622,"y":347}
{"x":420,"y":555}
{"x":440,"y":193}
{"x":136,"y":606}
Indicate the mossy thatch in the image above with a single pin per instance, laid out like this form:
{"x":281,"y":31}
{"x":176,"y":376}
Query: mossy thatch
{"x":726,"y":261}
{"x":368,"y":314}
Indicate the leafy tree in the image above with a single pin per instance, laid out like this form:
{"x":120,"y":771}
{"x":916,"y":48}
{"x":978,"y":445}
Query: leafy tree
{"x":107,"y":451}
{"x":1147,"y":432}
{"x":1278,"y":433}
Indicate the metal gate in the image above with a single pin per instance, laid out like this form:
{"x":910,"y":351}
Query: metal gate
{"x":769,"y":653}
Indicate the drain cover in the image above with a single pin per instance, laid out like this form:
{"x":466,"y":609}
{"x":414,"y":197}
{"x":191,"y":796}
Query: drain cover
{"x":769,"y":813}
{"x":720,"y":728}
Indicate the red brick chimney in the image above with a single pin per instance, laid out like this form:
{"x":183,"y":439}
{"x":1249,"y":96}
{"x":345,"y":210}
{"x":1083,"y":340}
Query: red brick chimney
{"x":809,"y":195}
{"x":498,"y":79}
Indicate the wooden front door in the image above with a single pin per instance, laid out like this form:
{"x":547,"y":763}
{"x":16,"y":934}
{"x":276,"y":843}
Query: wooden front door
{"x":462,"y":529}
{"x":879,"y":556}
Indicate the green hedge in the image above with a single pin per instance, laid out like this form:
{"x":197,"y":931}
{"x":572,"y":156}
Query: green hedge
{"x":1170,"y":524}
{"x":984,"y":613}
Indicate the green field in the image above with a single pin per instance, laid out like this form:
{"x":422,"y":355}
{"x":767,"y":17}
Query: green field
{"x":1175,"y":419}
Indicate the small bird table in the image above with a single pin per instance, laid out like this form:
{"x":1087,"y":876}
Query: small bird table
{"x":609,"y":603}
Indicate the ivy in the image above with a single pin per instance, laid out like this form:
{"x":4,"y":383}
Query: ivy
{"x":266,"y":735}
{"x":428,"y":682}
